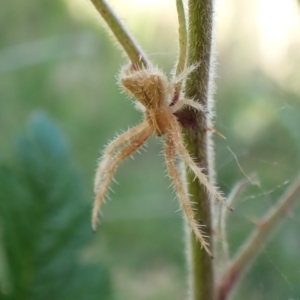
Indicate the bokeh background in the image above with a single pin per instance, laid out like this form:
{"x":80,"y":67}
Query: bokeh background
{"x":59,"y":106}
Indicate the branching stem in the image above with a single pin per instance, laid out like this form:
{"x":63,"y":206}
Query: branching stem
{"x":259,"y":237}
{"x":224,"y":253}
{"x":125,"y":39}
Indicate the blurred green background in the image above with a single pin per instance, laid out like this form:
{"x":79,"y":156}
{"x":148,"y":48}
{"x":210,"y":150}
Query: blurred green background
{"x":59,"y":106}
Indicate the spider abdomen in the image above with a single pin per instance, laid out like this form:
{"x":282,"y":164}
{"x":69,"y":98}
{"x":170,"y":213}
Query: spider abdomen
{"x":148,"y":87}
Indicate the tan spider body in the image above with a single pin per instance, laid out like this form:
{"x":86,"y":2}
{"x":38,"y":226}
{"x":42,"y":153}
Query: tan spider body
{"x":155,"y":95}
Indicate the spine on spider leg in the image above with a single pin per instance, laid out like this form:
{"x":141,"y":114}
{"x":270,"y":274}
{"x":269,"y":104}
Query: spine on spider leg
{"x":199,"y":86}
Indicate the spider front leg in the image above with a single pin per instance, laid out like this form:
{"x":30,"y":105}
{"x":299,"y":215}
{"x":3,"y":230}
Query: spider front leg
{"x":170,"y":155}
{"x":110,"y":149}
{"x":133,"y":145}
{"x":185,"y":73}
{"x":181,"y":103}
{"x":178,"y":142}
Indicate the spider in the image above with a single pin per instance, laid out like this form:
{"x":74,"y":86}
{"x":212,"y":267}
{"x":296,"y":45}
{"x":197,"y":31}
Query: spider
{"x":155,"y":98}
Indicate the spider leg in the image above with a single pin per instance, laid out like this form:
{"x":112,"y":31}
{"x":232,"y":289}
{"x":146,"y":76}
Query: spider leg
{"x":186,"y":72}
{"x":170,"y":156}
{"x":111,"y":167}
{"x":176,"y":134}
{"x":112,"y":146}
{"x":181,"y":103}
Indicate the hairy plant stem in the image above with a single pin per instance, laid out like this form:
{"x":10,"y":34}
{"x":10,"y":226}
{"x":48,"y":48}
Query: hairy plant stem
{"x":222,"y":243}
{"x":129,"y":45}
{"x":259,"y":237}
{"x":182,"y":32}
{"x":196,"y":137}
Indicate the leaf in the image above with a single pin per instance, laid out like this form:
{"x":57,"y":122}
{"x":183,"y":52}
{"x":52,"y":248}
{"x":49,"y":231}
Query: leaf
{"x":44,"y":221}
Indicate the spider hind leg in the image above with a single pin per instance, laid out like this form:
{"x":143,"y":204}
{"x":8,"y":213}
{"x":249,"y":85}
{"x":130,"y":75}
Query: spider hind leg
{"x":110,"y":168}
{"x":185,"y":204}
{"x":111,"y":148}
{"x":178,"y":142}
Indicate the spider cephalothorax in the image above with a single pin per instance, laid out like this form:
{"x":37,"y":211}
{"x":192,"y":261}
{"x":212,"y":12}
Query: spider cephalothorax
{"x":155,"y":96}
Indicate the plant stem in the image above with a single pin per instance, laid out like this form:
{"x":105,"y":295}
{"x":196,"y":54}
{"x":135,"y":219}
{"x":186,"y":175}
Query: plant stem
{"x":119,"y":31}
{"x":259,"y":236}
{"x":182,"y":38}
{"x":197,"y":141}
{"x":222,"y":244}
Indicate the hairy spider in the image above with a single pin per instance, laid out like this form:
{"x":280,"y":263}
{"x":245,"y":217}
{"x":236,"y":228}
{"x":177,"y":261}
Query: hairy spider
{"x":155,"y":96}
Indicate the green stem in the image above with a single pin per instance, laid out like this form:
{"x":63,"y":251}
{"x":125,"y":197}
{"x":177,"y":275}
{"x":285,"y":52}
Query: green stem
{"x":182,"y":38}
{"x":125,"y":39}
{"x":197,"y":141}
{"x":222,"y":243}
{"x":259,"y":237}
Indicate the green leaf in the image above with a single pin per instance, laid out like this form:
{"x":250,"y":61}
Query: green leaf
{"x":45,"y":223}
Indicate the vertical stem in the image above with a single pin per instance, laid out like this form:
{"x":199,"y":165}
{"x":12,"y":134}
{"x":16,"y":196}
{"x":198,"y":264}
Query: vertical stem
{"x":182,"y":33}
{"x":198,"y":143}
{"x":222,"y":244}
